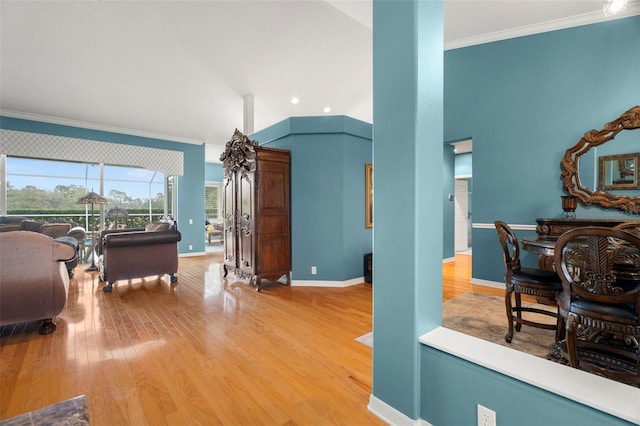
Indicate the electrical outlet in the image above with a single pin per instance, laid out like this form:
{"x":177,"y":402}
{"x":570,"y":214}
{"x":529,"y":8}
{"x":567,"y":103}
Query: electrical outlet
{"x":314,"y":270}
{"x":190,"y":221}
{"x":190,"y":247}
{"x":486,"y":417}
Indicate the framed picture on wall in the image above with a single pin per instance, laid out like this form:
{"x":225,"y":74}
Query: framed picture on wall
{"x":368,"y":198}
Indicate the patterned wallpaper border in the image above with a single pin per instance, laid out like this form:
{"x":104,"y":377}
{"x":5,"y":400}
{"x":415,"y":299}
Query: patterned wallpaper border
{"x":38,"y":145}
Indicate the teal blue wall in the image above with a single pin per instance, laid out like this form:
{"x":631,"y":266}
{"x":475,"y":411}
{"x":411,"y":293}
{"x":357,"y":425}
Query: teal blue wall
{"x":408,"y":153}
{"x":524,"y":101}
{"x":328,"y":231}
{"x":190,"y":186}
{"x":461,"y":385}
{"x":213,"y":172}
{"x":464,"y":164}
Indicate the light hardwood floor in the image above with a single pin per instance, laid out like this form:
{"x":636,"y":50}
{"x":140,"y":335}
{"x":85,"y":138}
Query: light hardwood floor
{"x":203,"y":351}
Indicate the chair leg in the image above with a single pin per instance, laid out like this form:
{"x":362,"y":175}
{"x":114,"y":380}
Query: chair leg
{"x":507,"y":302}
{"x":518,"y":298}
{"x":572,"y":349}
{"x":560,"y":333}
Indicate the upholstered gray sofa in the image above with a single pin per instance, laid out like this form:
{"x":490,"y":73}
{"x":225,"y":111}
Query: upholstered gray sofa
{"x":65,"y":232}
{"x":125,"y":254}
{"x":34,"y":282}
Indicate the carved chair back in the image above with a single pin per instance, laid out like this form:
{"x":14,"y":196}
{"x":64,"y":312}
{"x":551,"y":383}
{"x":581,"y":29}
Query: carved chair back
{"x":593,"y":263}
{"x":510,"y":247}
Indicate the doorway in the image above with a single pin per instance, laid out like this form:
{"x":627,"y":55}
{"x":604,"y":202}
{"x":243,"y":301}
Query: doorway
{"x":462,"y":229}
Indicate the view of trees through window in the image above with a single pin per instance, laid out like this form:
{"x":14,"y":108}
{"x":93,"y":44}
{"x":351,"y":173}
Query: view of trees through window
{"x":49,"y":190}
{"x":212,"y":202}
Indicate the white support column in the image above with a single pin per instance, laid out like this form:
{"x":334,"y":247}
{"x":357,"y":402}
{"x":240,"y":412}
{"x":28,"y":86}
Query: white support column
{"x":248,"y":114}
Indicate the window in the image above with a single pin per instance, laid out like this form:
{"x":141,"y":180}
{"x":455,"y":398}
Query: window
{"x":212,"y":202}
{"x":47,"y":189}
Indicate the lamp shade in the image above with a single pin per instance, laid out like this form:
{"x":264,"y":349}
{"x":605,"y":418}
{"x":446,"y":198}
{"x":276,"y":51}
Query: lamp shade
{"x":92,"y":198}
{"x":117,"y":212}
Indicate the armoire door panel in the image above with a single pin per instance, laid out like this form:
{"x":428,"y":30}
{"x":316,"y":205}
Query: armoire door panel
{"x":229,"y":219}
{"x":272,"y":185}
{"x":271,"y":254}
{"x":273,"y":224}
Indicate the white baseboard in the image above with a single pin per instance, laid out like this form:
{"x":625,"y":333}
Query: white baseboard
{"x":487,"y":283}
{"x":390,"y":415}
{"x":448,"y":259}
{"x":319,"y":283}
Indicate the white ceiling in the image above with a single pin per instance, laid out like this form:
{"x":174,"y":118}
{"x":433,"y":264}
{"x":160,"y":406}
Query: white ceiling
{"x":180,"y":69}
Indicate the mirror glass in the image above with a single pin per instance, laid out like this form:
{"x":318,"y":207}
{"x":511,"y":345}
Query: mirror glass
{"x":618,"y":172}
{"x":603,"y":167}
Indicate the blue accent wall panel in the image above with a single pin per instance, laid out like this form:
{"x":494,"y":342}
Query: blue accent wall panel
{"x":327,"y":193}
{"x":464,"y":164}
{"x":408,"y":178}
{"x":190,"y":186}
{"x":213,"y":172}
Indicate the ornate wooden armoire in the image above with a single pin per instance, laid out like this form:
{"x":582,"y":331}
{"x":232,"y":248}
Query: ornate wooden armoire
{"x":257,"y":236}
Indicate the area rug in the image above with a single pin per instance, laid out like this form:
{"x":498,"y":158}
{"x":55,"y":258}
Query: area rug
{"x":484,"y":316}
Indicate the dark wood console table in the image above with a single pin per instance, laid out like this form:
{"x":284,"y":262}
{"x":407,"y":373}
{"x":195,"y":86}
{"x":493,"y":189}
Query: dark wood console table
{"x":549,"y":230}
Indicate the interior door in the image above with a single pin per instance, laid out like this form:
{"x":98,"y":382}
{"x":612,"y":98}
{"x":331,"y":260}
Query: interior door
{"x":461,"y":215}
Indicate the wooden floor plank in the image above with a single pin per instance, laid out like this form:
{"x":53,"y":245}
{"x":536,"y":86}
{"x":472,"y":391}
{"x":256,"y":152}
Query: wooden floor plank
{"x":205,"y":350}
{"x":202,"y":351}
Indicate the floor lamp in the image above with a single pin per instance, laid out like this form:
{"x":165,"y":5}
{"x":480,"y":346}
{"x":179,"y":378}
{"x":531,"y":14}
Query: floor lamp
{"x":92,"y":198}
{"x":115,"y":213}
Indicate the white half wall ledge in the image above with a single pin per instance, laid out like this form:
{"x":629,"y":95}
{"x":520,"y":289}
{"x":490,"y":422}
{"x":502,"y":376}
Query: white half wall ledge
{"x":611,"y":397}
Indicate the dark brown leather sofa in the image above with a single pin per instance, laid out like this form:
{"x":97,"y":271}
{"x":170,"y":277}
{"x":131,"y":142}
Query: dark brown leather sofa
{"x":138,"y":252}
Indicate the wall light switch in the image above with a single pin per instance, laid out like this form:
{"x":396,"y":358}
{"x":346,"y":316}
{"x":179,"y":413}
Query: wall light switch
{"x":190,"y":221}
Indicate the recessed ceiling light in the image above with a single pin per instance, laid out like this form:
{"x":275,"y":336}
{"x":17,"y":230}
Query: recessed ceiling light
{"x":295,"y":101}
{"x":327,"y":109}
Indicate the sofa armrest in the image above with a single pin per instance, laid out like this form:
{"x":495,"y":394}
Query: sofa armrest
{"x":140,"y":238}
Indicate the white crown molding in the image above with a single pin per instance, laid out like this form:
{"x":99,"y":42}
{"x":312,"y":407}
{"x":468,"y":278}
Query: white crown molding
{"x":553,"y":25}
{"x":94,"y":126}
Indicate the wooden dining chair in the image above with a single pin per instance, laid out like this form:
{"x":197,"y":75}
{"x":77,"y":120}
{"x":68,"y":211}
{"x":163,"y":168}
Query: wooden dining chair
{"x":529,"y":281}
{"x":599,"y":305}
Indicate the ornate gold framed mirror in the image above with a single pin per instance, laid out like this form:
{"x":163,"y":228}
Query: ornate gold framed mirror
{"x":606,"y":178}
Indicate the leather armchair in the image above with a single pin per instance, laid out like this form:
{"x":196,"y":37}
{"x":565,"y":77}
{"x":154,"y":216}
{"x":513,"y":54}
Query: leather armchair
{"x":34,"y":282}
{"x":136,"y":253}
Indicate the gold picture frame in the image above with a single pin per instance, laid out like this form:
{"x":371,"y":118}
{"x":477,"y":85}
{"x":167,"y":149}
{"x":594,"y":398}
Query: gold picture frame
{"x":368,"y":195}
{"x":619,"y":171}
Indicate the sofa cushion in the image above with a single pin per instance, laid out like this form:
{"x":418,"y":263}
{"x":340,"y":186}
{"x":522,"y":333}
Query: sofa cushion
{"x":55,"y":230}
{"x":7,"y":227}
{"x":31,"y":225}
{"x":157,"y":226}
{"x":12,"y":219}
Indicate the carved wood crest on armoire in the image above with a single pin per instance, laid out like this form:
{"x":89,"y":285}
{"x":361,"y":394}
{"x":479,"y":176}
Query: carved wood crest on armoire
{"x":256,"y":211}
